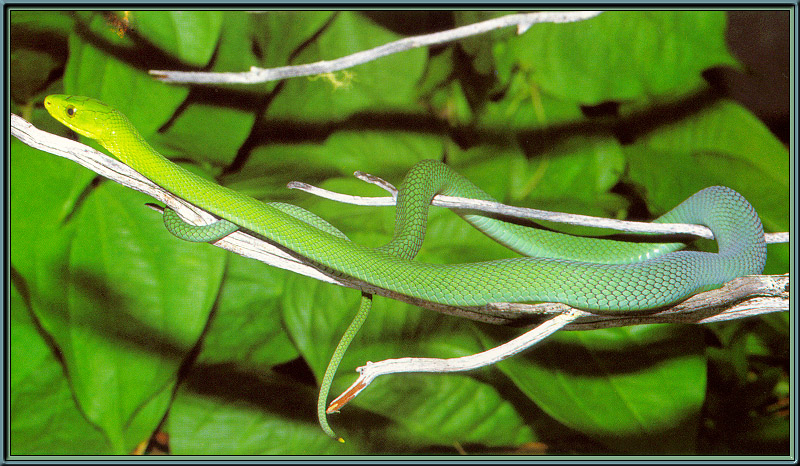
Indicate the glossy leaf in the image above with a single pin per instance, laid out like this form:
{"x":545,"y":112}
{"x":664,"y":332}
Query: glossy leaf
{"x":635,"y":388}
{"x":620,"y":55}
{"x":247,"y":414}
{"x":123,"y":334}
{"x":282,"y":34}
{"x":191,"y":36}
{"x":246,"y":329}
{"x":231,"y":126}
{"x":376,"y":86}
{"x":44,"y":418}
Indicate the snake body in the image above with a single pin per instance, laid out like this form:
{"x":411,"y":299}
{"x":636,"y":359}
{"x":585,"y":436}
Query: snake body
{"x":637,"y":286}
{"x":588,"y":273}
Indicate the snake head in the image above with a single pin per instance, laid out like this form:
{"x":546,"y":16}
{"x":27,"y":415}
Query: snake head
{"x":84,"y":115}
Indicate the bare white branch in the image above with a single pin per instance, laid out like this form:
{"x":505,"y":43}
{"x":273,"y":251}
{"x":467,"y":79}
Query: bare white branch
{"x":247,"y":245}
{"x":739,"y":298}
{"x":742,"y":297}
{"x":239,"y":242}
{"x":520,"y":212}
{"x":372,"y":370}
{"x":259,"y":75}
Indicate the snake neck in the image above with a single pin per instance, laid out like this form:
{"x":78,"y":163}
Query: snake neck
{"x":126,"y":144}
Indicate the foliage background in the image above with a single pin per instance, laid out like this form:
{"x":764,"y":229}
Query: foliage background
{"x":118,"y":330}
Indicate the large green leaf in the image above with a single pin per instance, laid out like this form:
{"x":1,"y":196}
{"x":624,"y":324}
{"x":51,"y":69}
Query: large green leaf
{"x":620,"y":55}
{"x":191,"y":36}
{"x":135,"y":301}
{"x":231,"y":127}
{"x":634,"y":389}
{"x":281,"y":34}
{"x":38,"y":222}
{"x":44,"y":418}
{"x":244,"y":413}
{"x":582,"y":169}
{"x":380,"y":85}
{"x":246,"y":330}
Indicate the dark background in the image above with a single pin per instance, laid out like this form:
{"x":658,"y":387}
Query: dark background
{"x":760,"y":40}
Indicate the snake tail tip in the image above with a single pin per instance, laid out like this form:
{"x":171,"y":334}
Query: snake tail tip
{"x":340,"y":440}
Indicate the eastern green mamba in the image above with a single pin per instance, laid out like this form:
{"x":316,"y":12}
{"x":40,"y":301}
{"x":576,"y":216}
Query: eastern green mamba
{"x":588,"y":273}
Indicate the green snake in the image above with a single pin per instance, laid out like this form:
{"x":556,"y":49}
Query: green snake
{"x":588,"y":273}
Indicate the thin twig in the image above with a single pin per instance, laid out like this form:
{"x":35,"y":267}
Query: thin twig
{"x":259,"y":75}
{"x":742,"y":297}
{"x":392,"y":366}
{"x":463,"y":203}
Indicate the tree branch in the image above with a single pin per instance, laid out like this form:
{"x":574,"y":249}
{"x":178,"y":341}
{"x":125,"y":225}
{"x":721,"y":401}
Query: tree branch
{"x":239,"y":242}
{"x":250,"y":246}
{"x":259,"y":75}
{"x":739,"y":298}
{"x":372,"y":370}
{"x":463,"y":203}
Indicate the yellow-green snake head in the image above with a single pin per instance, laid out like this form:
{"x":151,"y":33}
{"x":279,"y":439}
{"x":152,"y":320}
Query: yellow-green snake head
{"x":88,"y":117}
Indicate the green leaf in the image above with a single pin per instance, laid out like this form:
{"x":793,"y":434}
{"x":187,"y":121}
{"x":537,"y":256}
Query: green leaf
{"x":634,"y":389}
{"x":191,"y":36}
{"x":38,"y":227}
{"x":246,"y":330}
{"x":234,"y":51}
{"x":576,"y":178}
{"x":385,"y":152}
{"x":230,"y":127}
{"x":478,"y":47}
{"x":443,"y":409}
{"x":32,"y":22}
{"x":438,"y":71}
{"x":281,"y":34}
{"x":135,"y":302}
{"x":378,"y":86}
{"x":582,"y":169}
{"x":634,"y":55}
{"x":218,"y":412}
{"x":30,"y":71}
{"x":44,"y":419}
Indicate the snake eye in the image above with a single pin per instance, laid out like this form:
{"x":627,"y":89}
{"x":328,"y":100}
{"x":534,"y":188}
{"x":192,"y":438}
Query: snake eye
{"x":71,"y":110}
